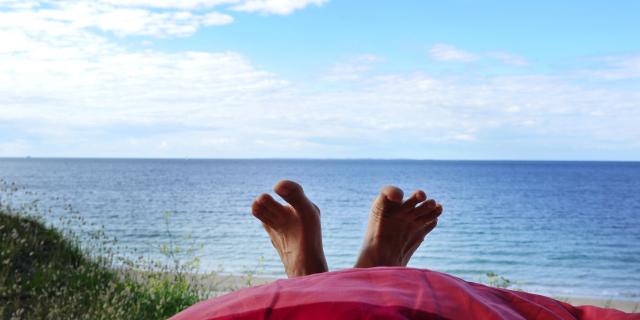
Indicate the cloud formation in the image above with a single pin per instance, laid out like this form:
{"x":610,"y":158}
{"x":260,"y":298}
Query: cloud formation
{"x":353,"y":68}
{"x":448,"y":53}
{"x":162,"y":18}
{"x":278,"y":7}
{"x":170,"y":4}
{"x":219,"y":104}
{"x":67,"y":90}
{"x":445,"y":52}
{"x":66,"y":17}
{"x":619,"y":67}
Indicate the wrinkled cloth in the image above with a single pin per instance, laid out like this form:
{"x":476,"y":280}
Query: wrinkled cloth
{"x":388,"y":293}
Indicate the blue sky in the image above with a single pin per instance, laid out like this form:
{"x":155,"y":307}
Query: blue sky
{"x":320,"y":79}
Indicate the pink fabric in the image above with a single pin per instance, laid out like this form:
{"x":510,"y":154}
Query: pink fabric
{"x":387,"y":293}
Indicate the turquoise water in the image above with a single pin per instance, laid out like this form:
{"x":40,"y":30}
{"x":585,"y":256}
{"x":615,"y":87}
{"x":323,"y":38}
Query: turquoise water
{"x":560,"y":228}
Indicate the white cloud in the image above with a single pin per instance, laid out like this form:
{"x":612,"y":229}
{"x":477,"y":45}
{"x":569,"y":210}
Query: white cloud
{"x":445,"y":52}
{"x":158,"y":18}
{"x":118,"y":86}
{"x":13,"y":41}
{"x":218,"y":104}
{"x":18,"y":4}
{"x":54,"y":70}
{"x":67,"y":17}
{"x":353,"y":68}
{"x":216,"y":19}
{"x":170,"y":4}
{"x":449,"y":53}
{"x":619,"y":67}
{"x":278,"y":7}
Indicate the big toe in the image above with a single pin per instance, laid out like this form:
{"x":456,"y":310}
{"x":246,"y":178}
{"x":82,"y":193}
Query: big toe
{"x":293,"y":193}
{"x":390,"y":198}
{"x":392,"y":193}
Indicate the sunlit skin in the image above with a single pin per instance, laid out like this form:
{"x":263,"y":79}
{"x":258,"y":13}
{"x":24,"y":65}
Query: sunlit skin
{"x":294,"y":229}
{"x":395,"y":228}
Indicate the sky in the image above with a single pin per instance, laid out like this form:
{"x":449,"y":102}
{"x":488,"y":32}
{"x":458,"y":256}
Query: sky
{"x":416,"y":79}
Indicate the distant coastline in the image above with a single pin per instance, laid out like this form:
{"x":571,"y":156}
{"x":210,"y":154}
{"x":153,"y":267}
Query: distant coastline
{"x":328,"y":159}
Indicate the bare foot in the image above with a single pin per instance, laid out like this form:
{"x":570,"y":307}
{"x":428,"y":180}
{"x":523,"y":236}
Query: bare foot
{"x":396,"y":229}
{"x":294,"y":229}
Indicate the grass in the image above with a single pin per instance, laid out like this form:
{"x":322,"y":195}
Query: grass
{"x":46,"y":276}
{"x":46,"y":272}
{"x":498,"y":281}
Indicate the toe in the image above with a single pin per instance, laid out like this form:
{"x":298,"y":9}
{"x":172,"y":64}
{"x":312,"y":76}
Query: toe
{"x":422,"y":233}
{"x":413,"y":245}
{"x":270,"y":203}
{"x":425,"y":207}
{"x":392,"y":193}
{"x":293,"y":193}
{"x":415,"y":198}
{"x":388,"y":201}
{"x":278,"y":214}
{"x":262,"y":213}
{"x":430,"y":226}
{"x":428,"y":212}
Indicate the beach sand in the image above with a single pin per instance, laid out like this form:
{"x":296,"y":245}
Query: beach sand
{"x":622,"y":305}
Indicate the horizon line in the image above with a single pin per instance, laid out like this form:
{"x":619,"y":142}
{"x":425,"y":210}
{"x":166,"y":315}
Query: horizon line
{"x":308,"y":159}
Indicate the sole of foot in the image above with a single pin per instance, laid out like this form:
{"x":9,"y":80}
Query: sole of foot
{"x":294,"y":229}
{"x":396,"y":229}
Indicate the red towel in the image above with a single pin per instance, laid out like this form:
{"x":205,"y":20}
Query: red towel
{"x":388,"y":293}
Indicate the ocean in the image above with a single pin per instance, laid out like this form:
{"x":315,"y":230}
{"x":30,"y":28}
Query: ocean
{"x":556,"y":228}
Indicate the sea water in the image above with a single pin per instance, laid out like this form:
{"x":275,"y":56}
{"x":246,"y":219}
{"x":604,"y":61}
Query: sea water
{"x":557,"y":228}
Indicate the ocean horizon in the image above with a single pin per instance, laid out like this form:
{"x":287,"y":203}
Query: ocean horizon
{"x":28,"y":157}
{"x":562,"y":228}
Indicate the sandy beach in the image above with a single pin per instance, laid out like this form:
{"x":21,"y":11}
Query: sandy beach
{"x":622,"y":305}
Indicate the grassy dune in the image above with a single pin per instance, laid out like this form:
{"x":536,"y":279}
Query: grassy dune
{"x":46,"y":275}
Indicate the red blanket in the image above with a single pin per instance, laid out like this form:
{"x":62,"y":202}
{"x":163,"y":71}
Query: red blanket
{"x":388,"y":293}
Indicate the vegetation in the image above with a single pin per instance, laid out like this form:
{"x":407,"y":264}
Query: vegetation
{"x":497,"y":281}
{"x":47,"y":273}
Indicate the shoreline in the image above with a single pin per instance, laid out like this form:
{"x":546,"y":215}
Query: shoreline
{"x":622,"y":305}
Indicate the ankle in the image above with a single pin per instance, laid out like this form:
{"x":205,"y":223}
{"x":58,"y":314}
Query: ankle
{"x":372,"y":255}
{"x":302,"y":264}
{"x":307,"y":269}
